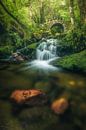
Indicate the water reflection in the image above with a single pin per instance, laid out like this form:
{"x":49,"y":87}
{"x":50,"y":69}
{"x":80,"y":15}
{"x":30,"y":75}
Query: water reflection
{"x":55,"y":84}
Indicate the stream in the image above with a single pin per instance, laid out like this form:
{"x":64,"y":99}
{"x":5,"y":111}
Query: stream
{"x":54,"y":81}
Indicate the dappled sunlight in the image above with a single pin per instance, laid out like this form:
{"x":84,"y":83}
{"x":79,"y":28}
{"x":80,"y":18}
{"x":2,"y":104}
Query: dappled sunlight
{"x":72,"y":83}
{"x":69,"y":80}
{"x":76,"y":83}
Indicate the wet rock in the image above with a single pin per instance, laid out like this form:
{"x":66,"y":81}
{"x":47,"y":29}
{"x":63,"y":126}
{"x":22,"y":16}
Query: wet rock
{"x":17,"y":56}
{"x":28,"y":97}
{"x":59,"y":106}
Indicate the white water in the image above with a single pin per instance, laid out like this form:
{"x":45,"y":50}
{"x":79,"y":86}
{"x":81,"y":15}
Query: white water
{"x":46,"y":50}
{"x":45,"y":53}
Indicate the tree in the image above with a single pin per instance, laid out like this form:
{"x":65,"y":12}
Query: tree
{"x":11,"y":15}
{"x":42,"y":12}
{"x":71,"y":9}
{"x":82,"y":9}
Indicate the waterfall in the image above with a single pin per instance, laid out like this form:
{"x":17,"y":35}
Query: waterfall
{"x":46,"y":50}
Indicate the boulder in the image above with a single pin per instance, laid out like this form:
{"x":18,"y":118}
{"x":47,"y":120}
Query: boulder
{"x":59,"y":106}
{"x":18,"y":57}
{"x":28,"y":97}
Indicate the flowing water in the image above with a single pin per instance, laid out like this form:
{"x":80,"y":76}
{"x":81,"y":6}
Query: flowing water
{"x":55,"y":82}
{"x":46,"y":50}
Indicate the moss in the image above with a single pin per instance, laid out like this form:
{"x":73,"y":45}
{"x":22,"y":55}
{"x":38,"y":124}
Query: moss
{"x":5,"y":51}
{"x":73,"y":41}
{"x":76,"y":62}
{"x":32,"y":46}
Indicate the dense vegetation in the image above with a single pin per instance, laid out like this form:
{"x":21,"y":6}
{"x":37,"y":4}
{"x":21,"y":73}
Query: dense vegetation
{"x":75,"y":62}
{"x":25,"y":22}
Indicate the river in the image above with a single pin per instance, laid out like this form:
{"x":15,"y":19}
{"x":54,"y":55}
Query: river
{"x":55,"y":82}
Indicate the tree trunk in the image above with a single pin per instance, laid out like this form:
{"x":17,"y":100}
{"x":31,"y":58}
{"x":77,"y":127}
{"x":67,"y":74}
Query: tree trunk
{"x":11,"y":15}
{"x":71,"y":9}
{"x":82,"y":8}
{"x":42,"y":15}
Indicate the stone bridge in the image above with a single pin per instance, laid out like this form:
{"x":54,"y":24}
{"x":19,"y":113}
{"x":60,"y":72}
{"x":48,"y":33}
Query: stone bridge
{"x":49,"y":24}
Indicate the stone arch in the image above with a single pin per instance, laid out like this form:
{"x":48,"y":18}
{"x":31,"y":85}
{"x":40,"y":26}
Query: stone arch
{"x":57,"y":27}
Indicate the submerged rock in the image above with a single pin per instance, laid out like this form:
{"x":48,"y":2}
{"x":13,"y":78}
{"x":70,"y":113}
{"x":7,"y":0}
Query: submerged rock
{"x":28,"y":97}
{"x":59,"y":106}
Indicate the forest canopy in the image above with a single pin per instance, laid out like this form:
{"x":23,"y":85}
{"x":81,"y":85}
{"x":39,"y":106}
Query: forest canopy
{"x":23,"y":22}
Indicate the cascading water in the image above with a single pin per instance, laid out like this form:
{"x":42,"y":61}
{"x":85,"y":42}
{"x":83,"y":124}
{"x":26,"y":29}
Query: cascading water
{"x":46,"y":50}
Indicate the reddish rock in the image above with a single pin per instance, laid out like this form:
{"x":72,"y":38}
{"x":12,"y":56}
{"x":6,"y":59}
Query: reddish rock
{"x":59,"y":106}
{"x":28,"y":96}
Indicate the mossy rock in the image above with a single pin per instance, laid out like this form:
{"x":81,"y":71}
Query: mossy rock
{"x":32,"y":46}
{"x":75,"y":62}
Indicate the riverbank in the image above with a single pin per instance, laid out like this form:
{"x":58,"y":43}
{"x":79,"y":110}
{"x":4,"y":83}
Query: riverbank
{"x":74,"y":62}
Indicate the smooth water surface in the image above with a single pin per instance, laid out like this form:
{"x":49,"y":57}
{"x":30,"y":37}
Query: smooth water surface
{"x":55,"y":83}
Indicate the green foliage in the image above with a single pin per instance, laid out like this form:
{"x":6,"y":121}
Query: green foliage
{"x":57,"y":28}
{"x":76,"y":62}
{"x":5,"y":51}
{"x":32,"y":46}
{"x":16,"y":39}
{"x":28,"y":20}
{"x":31,"y":14}
{"x":74,"y":40}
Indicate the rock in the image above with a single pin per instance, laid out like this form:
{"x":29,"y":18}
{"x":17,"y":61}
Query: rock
{"x":14,"y":55}
{"x":17,"y":56}
{"x":59,"y":106}
{"x":28,"y":97}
